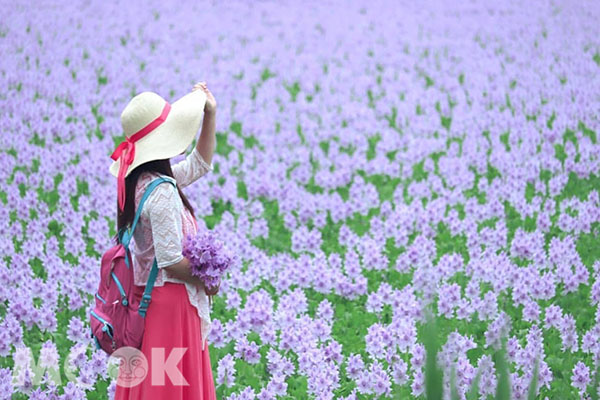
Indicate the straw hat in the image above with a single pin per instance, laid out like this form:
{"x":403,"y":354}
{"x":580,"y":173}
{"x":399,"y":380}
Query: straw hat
{"x":155,"y":130}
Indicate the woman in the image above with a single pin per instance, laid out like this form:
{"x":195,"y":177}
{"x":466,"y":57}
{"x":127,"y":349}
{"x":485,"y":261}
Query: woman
{"x":177,"y":321}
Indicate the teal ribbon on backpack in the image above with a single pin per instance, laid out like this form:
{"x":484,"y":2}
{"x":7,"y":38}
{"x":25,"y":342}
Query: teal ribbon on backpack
{"x":125,"y":237}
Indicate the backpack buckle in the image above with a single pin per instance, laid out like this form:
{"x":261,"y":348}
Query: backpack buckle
{"x":145,"y":301}
{"x":144,"y":304}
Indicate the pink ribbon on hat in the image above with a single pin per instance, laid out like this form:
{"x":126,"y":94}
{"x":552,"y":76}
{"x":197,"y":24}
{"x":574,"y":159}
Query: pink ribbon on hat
{"x":126,"y":151}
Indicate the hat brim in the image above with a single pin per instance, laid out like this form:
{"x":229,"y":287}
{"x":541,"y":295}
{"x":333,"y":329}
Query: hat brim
{"x":173,"y":136}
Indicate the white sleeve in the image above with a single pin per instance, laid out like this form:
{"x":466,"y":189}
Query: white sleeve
{"x":165,"y":221}
{"x":190,"y":169}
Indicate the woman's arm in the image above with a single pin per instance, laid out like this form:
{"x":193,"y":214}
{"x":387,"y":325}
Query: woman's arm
{"x":191,"y":169}
{"x":181,"y":270}
{"x":207,"y":141}
{"x":199,"y":162}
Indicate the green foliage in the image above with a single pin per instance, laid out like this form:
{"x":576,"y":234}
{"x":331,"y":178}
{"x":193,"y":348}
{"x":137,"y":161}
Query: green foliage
{"x":280,"y":238}
{"x":372,"y":145}
{"x":419,"y":172}
{"x":348,"y":329}
{"x":473,"y":392}
{"x":293,"y":90}
{"x":223,"y":148}
{"x":503,"y":385}
{"x":448,"y":244}
{"x":531,"y":393}
{"x":433,"y":374}
{"x":266,"y":74}
{"x":38,"y":268}
{"x":453,"y":390}
{"x":594,"y":390}
{"x":219,"y":207}
{"x":596,"y":58}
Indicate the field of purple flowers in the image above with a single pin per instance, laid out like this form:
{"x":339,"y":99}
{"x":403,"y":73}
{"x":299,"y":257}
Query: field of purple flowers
{"x":374,"y":158}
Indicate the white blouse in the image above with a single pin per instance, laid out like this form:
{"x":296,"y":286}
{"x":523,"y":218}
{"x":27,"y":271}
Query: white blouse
{"x":163,"y":225}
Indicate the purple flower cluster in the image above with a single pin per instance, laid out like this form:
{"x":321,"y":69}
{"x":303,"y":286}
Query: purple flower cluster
{"x":209,"y":257}
{"x":226,"y":371}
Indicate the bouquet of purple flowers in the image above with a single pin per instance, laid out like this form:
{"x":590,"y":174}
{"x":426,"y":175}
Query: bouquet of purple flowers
{"x":209,"y":258}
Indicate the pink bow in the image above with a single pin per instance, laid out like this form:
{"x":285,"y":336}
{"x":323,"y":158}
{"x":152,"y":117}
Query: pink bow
{"x":126,"y":152}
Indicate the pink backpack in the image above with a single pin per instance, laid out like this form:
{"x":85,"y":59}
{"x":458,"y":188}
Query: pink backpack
{"x":117,"y":319}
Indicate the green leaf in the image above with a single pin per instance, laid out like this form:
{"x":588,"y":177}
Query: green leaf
{"x":531,"y":393}
{"x":503,"y":387}
{"x":453,"y":390}
{"x":594,"y":391}
{"x":433,"y":374}
{"x":473,"y":393}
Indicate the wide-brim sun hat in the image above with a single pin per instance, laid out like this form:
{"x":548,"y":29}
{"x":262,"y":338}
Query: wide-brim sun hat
{"x":155,"y":130}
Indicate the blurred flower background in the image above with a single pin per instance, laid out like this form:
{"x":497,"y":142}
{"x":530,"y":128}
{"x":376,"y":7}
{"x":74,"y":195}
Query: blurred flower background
{"x":374,"y":158}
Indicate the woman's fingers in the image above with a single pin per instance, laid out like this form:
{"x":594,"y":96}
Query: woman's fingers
{"x":200,"y":85}
{"x":203,"y":89}
{"x":213,"y":290}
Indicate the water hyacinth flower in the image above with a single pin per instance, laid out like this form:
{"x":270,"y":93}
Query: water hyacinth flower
{"x":246,"y":394}
{"x":380,"y":380}
{"x":226,"y":371}
{"x":209,"y":257}
{"x":49,"y":355}
{"x":363,"y":383}
{"x":581,"y":376}
{"x":354,"y":366}
{"x":277,"y":384}
{"x":247,"y":351}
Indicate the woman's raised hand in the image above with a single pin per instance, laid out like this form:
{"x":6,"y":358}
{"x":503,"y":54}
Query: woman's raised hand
{"x":211,"y":103}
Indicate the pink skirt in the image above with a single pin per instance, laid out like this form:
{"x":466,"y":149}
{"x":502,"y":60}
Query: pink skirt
{"x":175,"y":365}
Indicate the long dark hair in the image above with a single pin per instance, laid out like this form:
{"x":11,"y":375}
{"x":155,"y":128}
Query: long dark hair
{"x":125,"y":217}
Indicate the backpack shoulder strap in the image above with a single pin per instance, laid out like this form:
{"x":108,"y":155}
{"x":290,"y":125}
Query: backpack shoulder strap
{"x":146,"y":297}
{"x":128,"y":234}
